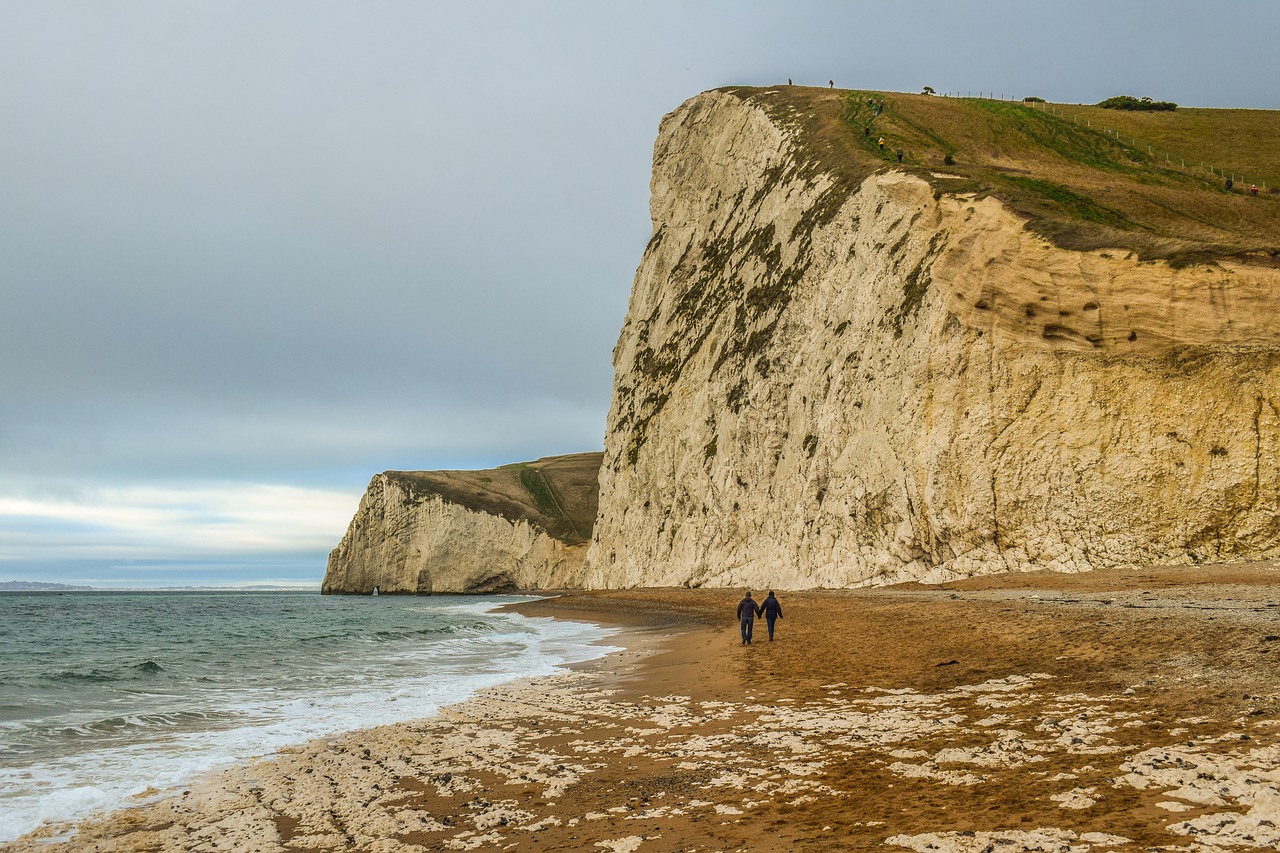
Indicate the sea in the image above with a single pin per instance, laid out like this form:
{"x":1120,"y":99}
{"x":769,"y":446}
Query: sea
{"x":109,"y":697}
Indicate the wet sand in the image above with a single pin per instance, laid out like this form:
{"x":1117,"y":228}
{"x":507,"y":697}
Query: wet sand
{"x":1111,"y":711}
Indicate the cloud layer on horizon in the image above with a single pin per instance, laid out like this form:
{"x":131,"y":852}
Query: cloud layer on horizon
{"x":142,"y":530}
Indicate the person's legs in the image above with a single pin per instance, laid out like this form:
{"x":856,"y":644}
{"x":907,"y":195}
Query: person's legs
{"x":771,"y":620}
{"x":746,"y":631}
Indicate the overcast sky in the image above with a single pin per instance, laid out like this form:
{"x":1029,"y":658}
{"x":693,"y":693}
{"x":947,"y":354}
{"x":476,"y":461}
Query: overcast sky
{"x":252,"y":253}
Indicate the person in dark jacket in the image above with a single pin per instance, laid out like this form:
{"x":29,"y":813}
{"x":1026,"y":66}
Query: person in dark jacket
{"x":748,"y":610}
{"x":772,"y":611}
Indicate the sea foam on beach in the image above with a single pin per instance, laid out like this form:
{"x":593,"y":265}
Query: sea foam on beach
{"x":107,"y":699}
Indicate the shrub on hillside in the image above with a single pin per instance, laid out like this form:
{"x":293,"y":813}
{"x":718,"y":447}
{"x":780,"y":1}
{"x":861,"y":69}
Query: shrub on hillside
{"x":1128,"y":102}
{"x":1032,"y":99}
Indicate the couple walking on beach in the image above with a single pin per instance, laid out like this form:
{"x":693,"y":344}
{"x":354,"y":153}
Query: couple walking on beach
{"x":748,"y":610}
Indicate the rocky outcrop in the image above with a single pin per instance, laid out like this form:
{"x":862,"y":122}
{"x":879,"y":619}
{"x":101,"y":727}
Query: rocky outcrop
{"x":519,"y":527}
{"x":825,"y":384}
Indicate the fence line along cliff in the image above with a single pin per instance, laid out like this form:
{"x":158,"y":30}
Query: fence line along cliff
{"x":838,"y":371}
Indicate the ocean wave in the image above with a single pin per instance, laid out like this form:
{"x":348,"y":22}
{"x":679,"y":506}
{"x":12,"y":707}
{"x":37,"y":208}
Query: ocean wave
{"x":445,"y":630}
{"x":118,"y":725}
{"x":74,"y":675}
{"x":406,"y":633}
{"x":130,"y":704}
{"x":99,"y":675}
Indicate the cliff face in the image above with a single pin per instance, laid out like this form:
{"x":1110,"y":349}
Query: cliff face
{"x":819,"y":385}
{"x":520,"y":527}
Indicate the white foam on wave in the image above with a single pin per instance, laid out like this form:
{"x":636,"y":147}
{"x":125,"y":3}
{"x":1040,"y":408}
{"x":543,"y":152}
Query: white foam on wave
{"x":407,"y":684}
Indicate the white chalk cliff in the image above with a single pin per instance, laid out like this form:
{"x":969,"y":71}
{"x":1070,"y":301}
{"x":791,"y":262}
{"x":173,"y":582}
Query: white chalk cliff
{"x":520,"y":527}
{"x":819,"y":386}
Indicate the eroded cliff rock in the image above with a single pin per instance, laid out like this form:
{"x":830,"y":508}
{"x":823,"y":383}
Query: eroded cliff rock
{"x":519,"y":527}
{"x":820,"y":384}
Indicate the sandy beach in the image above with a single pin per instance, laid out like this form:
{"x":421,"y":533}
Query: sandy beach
{"x":1115,"y":711}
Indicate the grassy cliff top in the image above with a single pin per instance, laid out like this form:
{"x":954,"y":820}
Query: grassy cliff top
{"x":1084,"y":177}
{"x":557,"y":493}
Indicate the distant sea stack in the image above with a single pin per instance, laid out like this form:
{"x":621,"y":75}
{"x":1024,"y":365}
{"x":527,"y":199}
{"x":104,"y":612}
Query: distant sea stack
{"x":1028,"y":346}
{"x":518,"y":527}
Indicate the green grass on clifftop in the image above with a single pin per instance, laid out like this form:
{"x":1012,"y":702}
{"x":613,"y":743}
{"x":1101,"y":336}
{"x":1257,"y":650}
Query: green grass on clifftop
{"x":1084,"y":177}
{"x":559,"y":494}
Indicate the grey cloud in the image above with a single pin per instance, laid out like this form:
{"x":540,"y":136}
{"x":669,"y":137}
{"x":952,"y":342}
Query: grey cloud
{"x":302,"y":242}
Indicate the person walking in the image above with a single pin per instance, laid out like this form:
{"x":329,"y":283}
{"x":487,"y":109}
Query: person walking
{"x":899,"y":155}
{"x":772,"y":611}
{"x":748,"y":610}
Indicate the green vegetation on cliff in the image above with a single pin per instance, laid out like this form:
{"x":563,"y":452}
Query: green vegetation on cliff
{"x":557,"y":493}
{"x":1085,"y":177}
{"x":1129,"y":102}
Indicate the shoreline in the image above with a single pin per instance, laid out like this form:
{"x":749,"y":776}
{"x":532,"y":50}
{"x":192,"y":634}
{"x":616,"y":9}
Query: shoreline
{"x":113,"y":828}
{"x":92,"y":782}
{"x":1117,"y":711}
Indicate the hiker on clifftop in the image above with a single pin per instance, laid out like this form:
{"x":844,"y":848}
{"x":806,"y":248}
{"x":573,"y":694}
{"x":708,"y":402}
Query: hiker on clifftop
{"x":772,"y":611}
{"x":899,"y":155}
{"x":748,"y":610}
